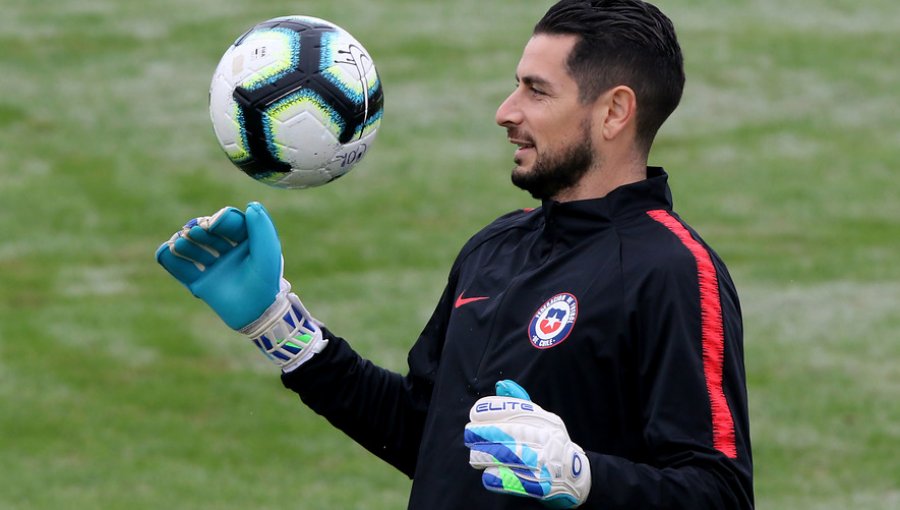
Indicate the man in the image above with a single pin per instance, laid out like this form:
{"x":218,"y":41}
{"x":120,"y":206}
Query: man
{"x":585,"y":353}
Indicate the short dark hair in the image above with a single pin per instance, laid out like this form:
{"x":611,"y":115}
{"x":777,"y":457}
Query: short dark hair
{"x":622,"y":42}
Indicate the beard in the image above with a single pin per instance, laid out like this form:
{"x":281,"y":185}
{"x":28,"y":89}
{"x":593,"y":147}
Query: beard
{"x":557,"y":171}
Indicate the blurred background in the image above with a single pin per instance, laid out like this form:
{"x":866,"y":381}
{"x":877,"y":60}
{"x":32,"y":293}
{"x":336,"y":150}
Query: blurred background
{"x":119,"y":390}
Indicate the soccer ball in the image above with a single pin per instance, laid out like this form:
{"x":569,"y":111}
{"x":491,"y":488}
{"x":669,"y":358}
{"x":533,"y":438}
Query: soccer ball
{"x":296,"y":102}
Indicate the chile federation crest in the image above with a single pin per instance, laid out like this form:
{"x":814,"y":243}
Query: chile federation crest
{"x":554,"y":320}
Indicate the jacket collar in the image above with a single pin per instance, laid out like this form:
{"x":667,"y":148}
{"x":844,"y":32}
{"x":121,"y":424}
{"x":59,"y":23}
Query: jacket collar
{"x":623,"y":202}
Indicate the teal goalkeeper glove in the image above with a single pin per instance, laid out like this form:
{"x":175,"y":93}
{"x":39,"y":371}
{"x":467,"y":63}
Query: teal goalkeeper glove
{"x":232,"y":261}
{"x":526,"y":451}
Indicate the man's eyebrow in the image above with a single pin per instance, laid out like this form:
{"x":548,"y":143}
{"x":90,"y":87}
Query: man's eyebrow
{"x":532,"y":81}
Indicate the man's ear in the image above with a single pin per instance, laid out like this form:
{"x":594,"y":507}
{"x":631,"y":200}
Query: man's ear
{"x":617,"y":112}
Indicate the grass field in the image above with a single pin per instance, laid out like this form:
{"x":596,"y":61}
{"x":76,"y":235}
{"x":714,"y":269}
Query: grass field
{"x":119,"y":391}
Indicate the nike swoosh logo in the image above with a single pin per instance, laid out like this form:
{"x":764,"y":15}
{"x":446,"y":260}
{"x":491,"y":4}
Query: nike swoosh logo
{"x":460,"y":301}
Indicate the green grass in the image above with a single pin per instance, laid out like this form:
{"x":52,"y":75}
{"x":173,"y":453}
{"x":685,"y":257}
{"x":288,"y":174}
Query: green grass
{"x":120,"y":391}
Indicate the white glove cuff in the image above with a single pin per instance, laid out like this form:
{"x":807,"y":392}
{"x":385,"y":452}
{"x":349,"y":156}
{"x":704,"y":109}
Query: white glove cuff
{"x":286,"y":332}
{"x":577,"y":479}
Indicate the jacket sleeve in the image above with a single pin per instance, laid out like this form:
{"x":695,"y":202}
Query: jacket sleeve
{"x":690,"y":382}
{"x":381,"y":410}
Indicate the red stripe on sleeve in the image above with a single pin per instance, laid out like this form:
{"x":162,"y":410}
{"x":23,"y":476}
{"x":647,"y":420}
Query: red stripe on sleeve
{"x":713,"y":333}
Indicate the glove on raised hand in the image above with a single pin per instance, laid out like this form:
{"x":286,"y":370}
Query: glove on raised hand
{"x":525,"y":450}
{"x":232,"y":261}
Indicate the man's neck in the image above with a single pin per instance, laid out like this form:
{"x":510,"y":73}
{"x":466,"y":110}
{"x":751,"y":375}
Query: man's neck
{"x":601,"y":180}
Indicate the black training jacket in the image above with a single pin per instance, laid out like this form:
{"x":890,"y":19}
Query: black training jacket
{"x":611,"y":313}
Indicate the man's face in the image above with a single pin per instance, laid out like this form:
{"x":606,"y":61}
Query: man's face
{"x":545,"y":119}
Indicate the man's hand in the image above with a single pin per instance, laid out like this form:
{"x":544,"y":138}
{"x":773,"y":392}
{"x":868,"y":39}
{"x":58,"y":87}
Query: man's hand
{"x":232,"y":261}
{"x":526,"y":451}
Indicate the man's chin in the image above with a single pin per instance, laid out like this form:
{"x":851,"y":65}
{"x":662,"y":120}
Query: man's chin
{"x":522,"y":169}
{"x":524,"y":179}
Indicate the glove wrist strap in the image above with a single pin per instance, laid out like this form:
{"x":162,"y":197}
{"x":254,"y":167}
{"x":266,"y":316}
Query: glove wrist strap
{"x":286,"y":333}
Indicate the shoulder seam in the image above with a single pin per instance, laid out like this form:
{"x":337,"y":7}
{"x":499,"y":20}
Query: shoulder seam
{"x":498,"y":226}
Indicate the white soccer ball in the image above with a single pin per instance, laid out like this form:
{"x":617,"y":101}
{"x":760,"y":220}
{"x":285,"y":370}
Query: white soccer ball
{"x":296,"y":102}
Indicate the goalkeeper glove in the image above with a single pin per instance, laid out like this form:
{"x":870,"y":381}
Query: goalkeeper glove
{"x":232,"y":261}
{"x":525,"y":450}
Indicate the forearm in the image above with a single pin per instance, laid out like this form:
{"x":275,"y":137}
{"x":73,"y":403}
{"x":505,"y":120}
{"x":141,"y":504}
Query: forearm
{"x":232,"y":261}
{"x":696,"y":481}
{"x":378,"y":408}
